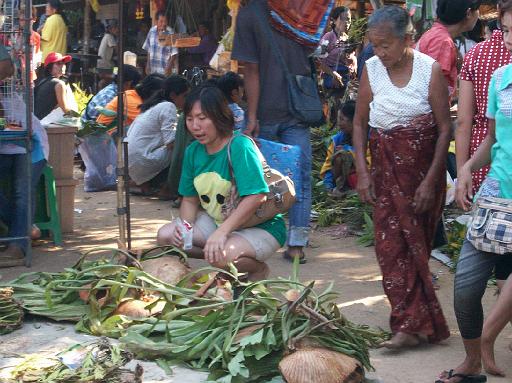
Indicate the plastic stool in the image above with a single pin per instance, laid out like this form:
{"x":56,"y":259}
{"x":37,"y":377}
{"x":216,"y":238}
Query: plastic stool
{"x":47,"y":217}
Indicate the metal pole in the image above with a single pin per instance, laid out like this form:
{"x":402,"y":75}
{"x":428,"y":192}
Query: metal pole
{"x":122,"y":163}
{"x":27,"y":32}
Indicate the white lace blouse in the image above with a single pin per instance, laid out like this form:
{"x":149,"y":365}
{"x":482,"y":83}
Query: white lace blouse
{"x":393,"y":106}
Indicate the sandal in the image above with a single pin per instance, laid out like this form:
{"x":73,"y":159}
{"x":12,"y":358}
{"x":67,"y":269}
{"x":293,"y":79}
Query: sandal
{"x":465,"y":378}
{"x":288,"y":257}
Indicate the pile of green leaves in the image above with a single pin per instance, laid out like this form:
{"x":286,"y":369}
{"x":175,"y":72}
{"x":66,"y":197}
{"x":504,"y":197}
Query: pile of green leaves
{"x":238,"y":340}
{"x":243,"y":340}
{"x":97,"y":362}
{"x":11,"y":313}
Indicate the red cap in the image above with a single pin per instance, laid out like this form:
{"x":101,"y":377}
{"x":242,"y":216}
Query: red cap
{"x":54,"y":57}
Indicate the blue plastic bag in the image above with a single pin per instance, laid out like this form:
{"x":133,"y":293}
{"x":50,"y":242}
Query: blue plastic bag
{"x":284,"y":158}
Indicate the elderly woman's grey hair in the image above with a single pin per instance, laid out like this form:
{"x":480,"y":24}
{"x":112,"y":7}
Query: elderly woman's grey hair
{"x":394,"y":16}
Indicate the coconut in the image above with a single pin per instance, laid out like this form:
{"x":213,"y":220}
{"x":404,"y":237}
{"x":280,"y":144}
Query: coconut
{"x":319,"y":365}
{"x":135,"y":308}
{"x":168,"y":269}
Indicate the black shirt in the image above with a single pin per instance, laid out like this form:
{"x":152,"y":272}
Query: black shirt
{"x":45,"y":97}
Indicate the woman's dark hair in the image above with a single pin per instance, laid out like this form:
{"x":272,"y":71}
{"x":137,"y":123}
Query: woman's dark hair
{"x":492,"y":25}
{"x":173,"y":84}
{"x":451,"y":12}
{"x":504,"y":6}
{"x":395,"y":16}
{"x":56,"y":4}
{"x":214,"y":106}
{"x":335,"y":13}
{"x":228,"y":83}
{"x":130,"y":73}
{"x":150,"y":85}
{"x":349,"y":109}
{"x":476,"y":33}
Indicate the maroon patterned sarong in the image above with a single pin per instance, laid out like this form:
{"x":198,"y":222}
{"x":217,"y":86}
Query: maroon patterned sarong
{"x":401,"y":158}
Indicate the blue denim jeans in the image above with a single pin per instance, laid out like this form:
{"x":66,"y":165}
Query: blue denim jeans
{"x":14,"y":210}
{"x":295,"y":133}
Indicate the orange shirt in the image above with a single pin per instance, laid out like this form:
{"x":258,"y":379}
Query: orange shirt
{"x":132,"y":103}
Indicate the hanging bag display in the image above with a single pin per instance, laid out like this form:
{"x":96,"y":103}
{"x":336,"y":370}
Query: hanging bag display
{"x":280,"y":198}
{"x":490,"y":227}
{"x":303,"y":99}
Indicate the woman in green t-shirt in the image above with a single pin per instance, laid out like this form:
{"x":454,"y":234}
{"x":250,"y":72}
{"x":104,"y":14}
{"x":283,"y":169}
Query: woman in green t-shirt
{"x":205,"y":185}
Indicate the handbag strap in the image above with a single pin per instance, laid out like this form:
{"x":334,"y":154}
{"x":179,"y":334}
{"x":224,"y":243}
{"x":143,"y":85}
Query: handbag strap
{"x":263,"y":161}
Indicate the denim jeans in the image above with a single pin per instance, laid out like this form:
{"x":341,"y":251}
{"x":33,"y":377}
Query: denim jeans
{"x":295,"y":133}
{"x":14,"y":210}
{"x":474,"y":269}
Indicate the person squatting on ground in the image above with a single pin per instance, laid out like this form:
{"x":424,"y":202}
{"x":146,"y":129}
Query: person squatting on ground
{"x":338,"y":171}
{"x":475,"y":267}
{"x":206,"y":183}
{"x":151,"y":135}
{"x":268,"y":114}
{"x":133,"y":99}
{"x":403,"y":101}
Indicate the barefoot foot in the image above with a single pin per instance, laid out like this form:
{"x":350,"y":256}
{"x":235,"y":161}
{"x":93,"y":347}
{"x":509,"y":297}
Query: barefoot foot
{"x":401,"y":340}
{"x":488,"y":360}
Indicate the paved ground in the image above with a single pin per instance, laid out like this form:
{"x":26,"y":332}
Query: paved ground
{"x":352,"y":268}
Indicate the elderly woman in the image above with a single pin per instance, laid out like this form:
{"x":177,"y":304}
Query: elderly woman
{"x":475,"y":266}
{"x":403,"y":100}
{"x":206,"y":182}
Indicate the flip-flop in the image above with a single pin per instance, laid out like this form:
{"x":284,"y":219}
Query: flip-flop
{"x":465,"y":378}
{"x":288,"y":257}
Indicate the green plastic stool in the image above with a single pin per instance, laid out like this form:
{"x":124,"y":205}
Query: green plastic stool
{"x":47,"y":217}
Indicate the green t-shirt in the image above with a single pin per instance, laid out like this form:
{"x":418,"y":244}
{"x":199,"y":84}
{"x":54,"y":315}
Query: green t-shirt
{"x":499,"y":108}
{"x":207,"y":176}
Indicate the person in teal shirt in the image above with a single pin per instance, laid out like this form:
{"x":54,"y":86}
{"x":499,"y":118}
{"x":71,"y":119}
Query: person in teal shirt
{"x":475,"y":267}
{"x":206,"y":183}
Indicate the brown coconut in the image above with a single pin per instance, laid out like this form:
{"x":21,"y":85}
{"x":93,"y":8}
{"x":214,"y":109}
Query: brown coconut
{"x":168,"y":269}
{"x":319,"y":365}
{"x":134,"y":308}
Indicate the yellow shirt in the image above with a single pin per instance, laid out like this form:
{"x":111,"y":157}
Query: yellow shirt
{"x":53,"y":35}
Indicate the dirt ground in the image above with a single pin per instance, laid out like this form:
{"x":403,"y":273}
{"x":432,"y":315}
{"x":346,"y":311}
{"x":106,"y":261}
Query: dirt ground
{"x":353,"y":269}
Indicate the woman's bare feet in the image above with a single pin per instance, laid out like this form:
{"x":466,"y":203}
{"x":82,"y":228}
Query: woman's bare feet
{"x":488,"y":360}
{"x":402,"y":340}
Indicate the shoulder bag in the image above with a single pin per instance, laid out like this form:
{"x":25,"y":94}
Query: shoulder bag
{"x":490,"y":227}
{"x":280,"y":198}
{"x":303,"y":99}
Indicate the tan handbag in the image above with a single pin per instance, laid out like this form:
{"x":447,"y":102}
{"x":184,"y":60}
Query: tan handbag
{"x":280,"y":198}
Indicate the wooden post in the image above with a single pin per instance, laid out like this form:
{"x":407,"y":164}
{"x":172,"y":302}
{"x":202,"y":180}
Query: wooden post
{"x":361,"y":8}
{"x":87,"y":26}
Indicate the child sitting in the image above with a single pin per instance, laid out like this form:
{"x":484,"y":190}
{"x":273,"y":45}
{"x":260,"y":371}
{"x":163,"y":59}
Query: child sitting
{"x":232,"y":85}
{"x":338,"y":170}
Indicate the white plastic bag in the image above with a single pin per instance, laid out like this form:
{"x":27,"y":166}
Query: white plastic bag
{"x":99,"y":154}
{"x":450,"y":189}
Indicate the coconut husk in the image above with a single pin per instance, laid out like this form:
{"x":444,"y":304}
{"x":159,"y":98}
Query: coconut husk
{"x":319,"y":365}
{"x":134,"y":308}
{"x":168,"y":269}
